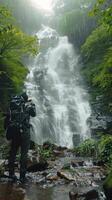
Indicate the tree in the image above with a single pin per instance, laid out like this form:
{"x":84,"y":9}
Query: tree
{"x":103,"y":9}
{"x":13,"y":42}
{"x":97,"y":54}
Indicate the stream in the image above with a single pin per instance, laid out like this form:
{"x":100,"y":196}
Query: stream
{"x":65,"y":177}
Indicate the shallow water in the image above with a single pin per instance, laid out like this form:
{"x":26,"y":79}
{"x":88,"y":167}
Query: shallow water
{"x":63,"y":175}
{"x":60,"y":192}
{"x":36,"y":192}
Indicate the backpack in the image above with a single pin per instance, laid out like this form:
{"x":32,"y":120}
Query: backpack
{"x":15,"y":116}
{"x":17,"y":106}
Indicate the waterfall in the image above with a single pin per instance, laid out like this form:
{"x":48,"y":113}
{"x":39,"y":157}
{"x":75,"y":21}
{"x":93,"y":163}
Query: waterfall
{"x":56,"y":87}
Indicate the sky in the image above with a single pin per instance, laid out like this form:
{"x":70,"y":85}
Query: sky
{"x":43,"y":4}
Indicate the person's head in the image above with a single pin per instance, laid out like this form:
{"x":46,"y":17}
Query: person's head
{"x":25,"y":96}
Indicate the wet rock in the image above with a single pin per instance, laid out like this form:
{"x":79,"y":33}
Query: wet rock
{"x":41,"y":180}
{"x":44,"y":173}
{"x":58,"y":153}
{"x":92,"y":194}
{"x":52,"y":177}
{"x":57,"y":150}
{"x":73,"y":195}
{"x":77,"y":163}
{"x":88,"y":194}
{"x":48,"y":145}
{"x":66,"y":175}
{"x":38,"y":167}
{"x":35,"y":163}
{"x":97,"y":177}
{"x":33,"y":158}
{"x":61,"y":148}
{"x":98,"y":163}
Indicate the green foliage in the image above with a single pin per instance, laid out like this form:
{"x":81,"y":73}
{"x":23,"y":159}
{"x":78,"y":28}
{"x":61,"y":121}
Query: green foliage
{"x":103,"y":9}
{"x":105,"y":149}
{"x":45,"y":153}
{"x":13,"y":42}
{"x":87,"y":148}
{"x":96,"y":45}
{"x":97,"y":54}
{"x":108,"y":182}
{"x":16,"y":73}
{"x":104,"y":77}
{"x":14,"y":45}
{"x":4,"y":149}
{"x":101,"y":149}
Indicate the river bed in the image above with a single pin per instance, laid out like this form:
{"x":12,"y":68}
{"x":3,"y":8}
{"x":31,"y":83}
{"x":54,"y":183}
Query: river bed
{"x":66,"y":175}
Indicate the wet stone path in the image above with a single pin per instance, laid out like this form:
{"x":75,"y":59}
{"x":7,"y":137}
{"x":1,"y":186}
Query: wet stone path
{"x":66,"y":177}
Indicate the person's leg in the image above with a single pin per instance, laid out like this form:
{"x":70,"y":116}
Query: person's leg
{"x":25,"y":144}
{"x":12,"y":156}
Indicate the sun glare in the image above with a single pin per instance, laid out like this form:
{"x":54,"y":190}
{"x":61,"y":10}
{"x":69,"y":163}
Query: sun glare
{"x":43,"y":4}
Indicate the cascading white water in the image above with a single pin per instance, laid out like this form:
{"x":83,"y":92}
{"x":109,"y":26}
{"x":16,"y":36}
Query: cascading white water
{"x":55,"y":85}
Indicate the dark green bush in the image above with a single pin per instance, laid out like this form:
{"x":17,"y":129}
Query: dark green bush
{"x":105,"y":149}
{"x":87,"y":148}
{"x":100,"y":150}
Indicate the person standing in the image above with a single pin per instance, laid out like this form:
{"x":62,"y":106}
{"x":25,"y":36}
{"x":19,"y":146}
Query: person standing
{"x":18,"y":132}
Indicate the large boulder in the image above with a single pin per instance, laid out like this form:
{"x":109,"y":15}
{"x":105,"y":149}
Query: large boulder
{"x":41,"y":166}
{"x":86,"y":194}
{"x":35,"y":163}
